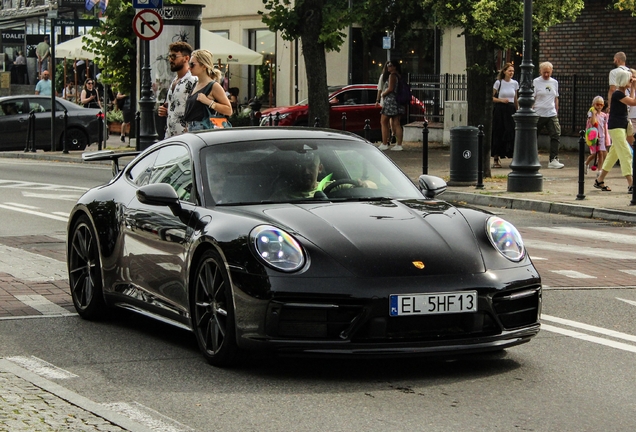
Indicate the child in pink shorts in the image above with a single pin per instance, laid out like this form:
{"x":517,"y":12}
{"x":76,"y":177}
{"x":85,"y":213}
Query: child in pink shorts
{"x":598,"y":119}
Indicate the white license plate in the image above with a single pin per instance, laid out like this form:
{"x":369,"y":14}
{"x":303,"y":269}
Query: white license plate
{"x":430,"y":304}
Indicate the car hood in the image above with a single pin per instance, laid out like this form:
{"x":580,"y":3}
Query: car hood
{"x":390,"y":238}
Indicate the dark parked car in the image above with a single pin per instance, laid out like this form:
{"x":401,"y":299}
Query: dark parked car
{"x":298,"y":240}
{"x":14,"y":121}
{"x":357,"y":101}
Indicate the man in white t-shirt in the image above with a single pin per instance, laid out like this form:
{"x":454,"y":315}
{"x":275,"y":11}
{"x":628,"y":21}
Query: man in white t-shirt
{"x":546,"y":105}
{"x":619,"y":61}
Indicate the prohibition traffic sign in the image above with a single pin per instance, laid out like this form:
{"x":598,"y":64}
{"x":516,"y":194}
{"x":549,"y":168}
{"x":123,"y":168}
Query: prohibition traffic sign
{"x":147,"y":24}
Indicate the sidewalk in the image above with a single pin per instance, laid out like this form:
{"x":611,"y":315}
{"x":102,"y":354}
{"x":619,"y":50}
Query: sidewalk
{"x":559,"y":194}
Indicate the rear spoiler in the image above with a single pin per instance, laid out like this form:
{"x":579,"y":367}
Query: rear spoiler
{"x":108,"y":155}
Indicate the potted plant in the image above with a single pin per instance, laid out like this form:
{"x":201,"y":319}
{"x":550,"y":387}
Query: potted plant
{"x":114,"y":119}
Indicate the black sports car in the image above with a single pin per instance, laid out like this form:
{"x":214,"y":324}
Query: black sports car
{"x":82,"y":123}
{"x":299,"y":241}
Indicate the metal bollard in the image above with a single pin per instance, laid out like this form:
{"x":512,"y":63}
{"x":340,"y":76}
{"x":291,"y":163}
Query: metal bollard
{"x":64,"y":141}
{"x":367,"y":129}
{"x":480,"y":155}
{"x":30,"y":141}
{"x":317,"y":122}
{"x":425,"y":147}
{"x":276,"y":118}
{"x":344,"y":121}
{"x":581,"y":194}
{"x":137,"y":127}
{"x":100,"y":124}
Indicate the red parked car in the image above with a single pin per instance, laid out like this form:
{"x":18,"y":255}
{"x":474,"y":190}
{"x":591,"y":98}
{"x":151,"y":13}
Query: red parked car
{"x":357,"y":101}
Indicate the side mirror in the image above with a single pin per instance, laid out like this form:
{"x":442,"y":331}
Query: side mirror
{"x":431,"y":186}
{"x":160,"y":194}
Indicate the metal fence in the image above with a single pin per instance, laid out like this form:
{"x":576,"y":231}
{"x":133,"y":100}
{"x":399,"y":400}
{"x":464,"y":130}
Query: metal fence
{"x":575,"y":96}
{"x":434,"y":90}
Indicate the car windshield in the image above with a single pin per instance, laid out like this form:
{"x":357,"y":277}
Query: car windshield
{"x":301,"y":170}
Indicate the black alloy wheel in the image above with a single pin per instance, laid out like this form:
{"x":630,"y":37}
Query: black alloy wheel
{"x":84,"y":271}
{"x":212,"y":310}
{"x":76,"y":139}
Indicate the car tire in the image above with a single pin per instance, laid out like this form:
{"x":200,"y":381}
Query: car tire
{"x":84,"y":271}
{"x":212,"y":310}
{"x":77,"y":139}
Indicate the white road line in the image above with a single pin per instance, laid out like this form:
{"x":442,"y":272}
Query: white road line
{"x":586,"y":337}
{"x":630,"y":272}
{"x":21,"y":205}
{"x":41,"y":367}
{"x":573,"y":274}
{"x":536,"y":258}
{"x":35,"y":213}
{"x":580,"y":250}
{"x":42,"y":304}
{"x":588,"y":234}
{"x":57,"y":197}
{"x":63,"y":214}
{"x":583,"y":326}
{"x":16,"y":184}
{"x":631,"y":302}
{"x":147,"y":416}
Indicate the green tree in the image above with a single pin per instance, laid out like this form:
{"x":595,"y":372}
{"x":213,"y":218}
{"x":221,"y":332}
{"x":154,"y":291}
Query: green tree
{"x":491,"y":24}
{"x":318,"y":24}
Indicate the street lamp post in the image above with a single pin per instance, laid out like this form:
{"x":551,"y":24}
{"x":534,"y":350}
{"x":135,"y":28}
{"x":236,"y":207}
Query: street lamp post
{"x":525,"y":176}
{"x":147,"y":135}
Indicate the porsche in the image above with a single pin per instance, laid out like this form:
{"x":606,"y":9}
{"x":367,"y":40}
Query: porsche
{"x":298,"y":241}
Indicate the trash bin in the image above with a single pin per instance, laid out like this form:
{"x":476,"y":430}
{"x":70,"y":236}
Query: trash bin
{"x":463,"y":155}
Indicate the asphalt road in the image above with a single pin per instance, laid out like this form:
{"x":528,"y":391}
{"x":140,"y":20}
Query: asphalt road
{"x":576,"y":375}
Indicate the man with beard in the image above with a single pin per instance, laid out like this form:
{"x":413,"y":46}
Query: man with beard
{"x":180,"y":89}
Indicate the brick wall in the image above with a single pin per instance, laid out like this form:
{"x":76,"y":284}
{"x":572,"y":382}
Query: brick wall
{"x":587,"y":45}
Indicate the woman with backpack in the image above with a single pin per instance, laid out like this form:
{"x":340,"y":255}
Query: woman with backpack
{"x":391,"y":111}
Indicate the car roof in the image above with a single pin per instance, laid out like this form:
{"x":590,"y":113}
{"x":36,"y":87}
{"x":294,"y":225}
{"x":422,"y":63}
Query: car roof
{"x":202,"y":139}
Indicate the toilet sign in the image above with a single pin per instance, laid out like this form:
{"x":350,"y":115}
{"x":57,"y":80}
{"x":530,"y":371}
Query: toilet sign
{"x":147,"y":24}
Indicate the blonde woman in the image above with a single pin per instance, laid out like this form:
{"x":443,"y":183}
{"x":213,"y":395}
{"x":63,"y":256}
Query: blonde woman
{"x":208,"y":97}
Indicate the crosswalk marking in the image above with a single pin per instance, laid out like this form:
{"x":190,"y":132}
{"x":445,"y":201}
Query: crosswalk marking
{"x":580,"y":250}
{"x":630,"y":272}
{"x":22,"y":205}
{"x":33,"y":212}
{"x":590,"y":338}
{"x":29,"y":266}
{"x":573,"y":274}
{"x":15,"y":184}
{"x":589,"y":234}
{"x":42,"y":305}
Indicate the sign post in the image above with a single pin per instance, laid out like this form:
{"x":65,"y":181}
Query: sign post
{"x":147,"y":25}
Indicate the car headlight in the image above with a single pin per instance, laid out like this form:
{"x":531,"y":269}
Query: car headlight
{"x":505,"y":238}
{"x":277,"y":248}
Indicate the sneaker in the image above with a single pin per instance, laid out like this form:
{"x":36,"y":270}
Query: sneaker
{"x":123,"y":138}
{"x":383,"y":146}
{"x":397,"y":148}
{"x":555,"y":164}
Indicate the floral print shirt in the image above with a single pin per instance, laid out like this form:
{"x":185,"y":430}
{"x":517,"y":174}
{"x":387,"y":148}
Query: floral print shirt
{"x":178,"y":92}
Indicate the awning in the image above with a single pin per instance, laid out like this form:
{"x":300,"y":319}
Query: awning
{"x":228,"y":51}
{"x":74,"y":49}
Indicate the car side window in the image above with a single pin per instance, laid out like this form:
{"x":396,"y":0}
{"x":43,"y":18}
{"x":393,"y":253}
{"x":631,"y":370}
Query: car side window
{"x":349,"y":97}
{"x":40,"y":106}
{"x":171,"y":164}
{"x":11,"y":107}
{"x":141,"y":172}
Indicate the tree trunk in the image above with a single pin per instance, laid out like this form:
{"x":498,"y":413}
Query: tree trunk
{"x":310,"y":13}
{"x":479,"y":74}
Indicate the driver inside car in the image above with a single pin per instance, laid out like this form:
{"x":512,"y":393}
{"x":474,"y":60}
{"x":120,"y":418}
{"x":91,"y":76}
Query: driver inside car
{"x":304,"y":180}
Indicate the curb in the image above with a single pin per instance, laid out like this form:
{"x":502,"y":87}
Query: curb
{"x":539,"y":206}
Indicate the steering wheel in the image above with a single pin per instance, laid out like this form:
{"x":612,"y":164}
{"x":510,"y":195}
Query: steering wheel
{"x":337,"y":183}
